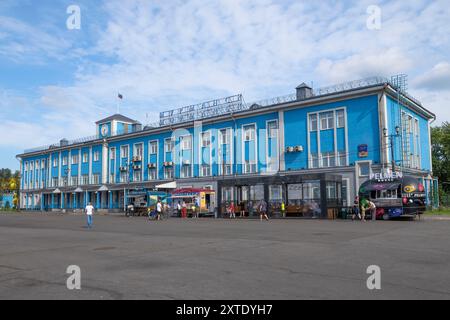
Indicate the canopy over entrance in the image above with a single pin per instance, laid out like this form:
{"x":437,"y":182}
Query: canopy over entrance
{"x":169,"y":185}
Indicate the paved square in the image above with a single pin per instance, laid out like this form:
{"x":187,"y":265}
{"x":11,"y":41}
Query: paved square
{"x":133,"y":258}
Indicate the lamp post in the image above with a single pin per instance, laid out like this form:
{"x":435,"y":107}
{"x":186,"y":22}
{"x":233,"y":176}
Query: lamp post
{"x":391,"y":141}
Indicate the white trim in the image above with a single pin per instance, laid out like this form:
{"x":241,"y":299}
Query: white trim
{"x":430,"y":147}
{"x":200,"y":153}
{"x":267,"y":145}
{"x":149,"y":154}
{"x":255,"y":148}
{"x":231,"y":134}
{"x":319,"y":129}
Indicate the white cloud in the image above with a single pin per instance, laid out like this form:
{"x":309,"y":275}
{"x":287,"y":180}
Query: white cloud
{"x":436,"y":79}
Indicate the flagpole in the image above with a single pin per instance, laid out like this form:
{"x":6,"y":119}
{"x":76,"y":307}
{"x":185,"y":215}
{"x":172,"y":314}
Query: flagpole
{"x":118,"y":106}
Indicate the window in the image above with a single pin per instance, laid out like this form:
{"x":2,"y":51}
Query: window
{"x":96,"y":179}
{"x":342,"y":158}
{"x":227,"y":194}
{"x":74,"y":181}
{"x":340,"y":115}
{"x":206,"y":170}
{"x":186,"y":143}
{"x":112,"y":178}
{"x":96,"y":156}
{"x":154,"y":147}
{"x":186,"y":171}
{"x":206,"y":139}
{"x":272,"y":128}
{"x":112,"y":154}
{"x":225,"y":169}
{"x":275,"y":193}
{"x":43,"y":164}
{"x":326,"y":120}
{"x":85,"y":157}
{"x":64,"y":161}
{"x":85,"y":179}
{"x":225,"y":136}
{"x":364,"y":169}
{"x":124,"y":152}
{"x":328,"y":159}
{"x":168,"y":145}
{"x":387,"y":194}
{"x":345,"y":192}
{"x":75,"y":159}
{"x":249,"y":133}
{"x":249,"y":167}
{"x":137,"y":176}
{"x":26,"y":166}
{"x":124,"y":177}
{"x":168,"y":173}
{"x":314,"y":162}
{"x":313,"y":122}
{"x":152,"y":174}
{"x":55,"y":182}
{"x":138,"y":148}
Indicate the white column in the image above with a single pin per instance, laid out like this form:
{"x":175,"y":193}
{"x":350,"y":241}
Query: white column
{"x":281,"y":141}
{"x":90,"y":164}
{"x":105,"y":163}
{"x":79,"y":166}
{"x":59,"y":169}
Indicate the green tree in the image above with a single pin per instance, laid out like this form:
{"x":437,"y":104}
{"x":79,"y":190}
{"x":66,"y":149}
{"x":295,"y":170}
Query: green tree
{"x":440,"y":140}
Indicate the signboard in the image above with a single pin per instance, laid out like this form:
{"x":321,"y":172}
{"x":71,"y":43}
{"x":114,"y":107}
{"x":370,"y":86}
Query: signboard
{"x":386,"y":177}
{"x":363,"y":151}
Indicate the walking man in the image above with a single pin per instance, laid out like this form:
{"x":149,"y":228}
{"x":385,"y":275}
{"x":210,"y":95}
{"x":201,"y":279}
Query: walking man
{"x":89,"y":211}
{"x":263,"y":210}
{"x":373,"y":210}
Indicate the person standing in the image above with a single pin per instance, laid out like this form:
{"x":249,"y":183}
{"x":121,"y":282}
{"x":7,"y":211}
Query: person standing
{"x":356,"y":210}
{"x":159,"y":210}
{"x":179,"y":209}
{"x":89,"y":212}
{"x":242,"y":212}
{"x":263,"y":210}
{"x":373,"y":210}
{"x":283,"y":209}
{"x":232,"y":211}
{"x":184,"y":210}
{"x":364,"y":207}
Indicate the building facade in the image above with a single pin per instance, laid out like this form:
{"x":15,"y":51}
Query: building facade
{"x":314,"y":145}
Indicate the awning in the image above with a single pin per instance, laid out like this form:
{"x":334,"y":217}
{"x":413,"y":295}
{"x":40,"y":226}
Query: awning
{"x":78,"y":190}
{"x":169,"y":185}
{"x":103,"y":188}
{"x":378,"y":186}
{"x":57,"y":191}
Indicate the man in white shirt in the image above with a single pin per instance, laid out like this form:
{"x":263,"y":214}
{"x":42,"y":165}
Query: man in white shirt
{"x":159,"y":210}
{"x":89,"y":212}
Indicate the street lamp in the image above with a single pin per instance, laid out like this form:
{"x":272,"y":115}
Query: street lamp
{"x":391,"y":139}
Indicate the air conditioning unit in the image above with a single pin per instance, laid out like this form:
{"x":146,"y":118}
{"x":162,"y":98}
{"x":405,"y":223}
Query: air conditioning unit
{"x":123,"y":169}
{"x":186,"y":162}
{"x":137,"y":167}
{"x":168,"y":164}
{"x":137,"y":158}
{"x":299,"y":149}
{"x":151,"y":165}
{"x":290,"y":149}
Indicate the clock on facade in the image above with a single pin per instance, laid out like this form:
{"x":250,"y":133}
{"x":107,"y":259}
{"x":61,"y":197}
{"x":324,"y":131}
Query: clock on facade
{"x":104,"y":130}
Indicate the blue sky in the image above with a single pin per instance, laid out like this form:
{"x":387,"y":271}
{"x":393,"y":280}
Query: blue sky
{"x":56,"y":82}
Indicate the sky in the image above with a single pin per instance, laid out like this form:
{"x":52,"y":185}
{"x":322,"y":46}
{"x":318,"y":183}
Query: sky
{"x":56,"y":79}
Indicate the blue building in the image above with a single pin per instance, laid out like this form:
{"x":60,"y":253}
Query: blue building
{"x":315,"y":146}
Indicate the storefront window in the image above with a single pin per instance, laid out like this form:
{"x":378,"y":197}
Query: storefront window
{"x":275,"y":193}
